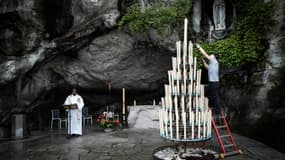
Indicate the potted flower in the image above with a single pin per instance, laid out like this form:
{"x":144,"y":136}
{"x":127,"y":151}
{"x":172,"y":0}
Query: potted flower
{"x":108,"y":121}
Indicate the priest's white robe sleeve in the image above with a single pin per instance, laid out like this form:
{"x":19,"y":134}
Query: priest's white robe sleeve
{"x":80,"y":103}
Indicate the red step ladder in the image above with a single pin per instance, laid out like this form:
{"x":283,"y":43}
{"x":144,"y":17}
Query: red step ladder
{"x":224,"y":135}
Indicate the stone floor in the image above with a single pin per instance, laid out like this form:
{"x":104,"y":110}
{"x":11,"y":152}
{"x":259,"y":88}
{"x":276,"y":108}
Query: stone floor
{"x":126,"y":144}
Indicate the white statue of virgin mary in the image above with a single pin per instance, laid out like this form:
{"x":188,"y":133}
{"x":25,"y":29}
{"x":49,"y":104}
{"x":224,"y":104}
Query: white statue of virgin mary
{"x":219,"y":14}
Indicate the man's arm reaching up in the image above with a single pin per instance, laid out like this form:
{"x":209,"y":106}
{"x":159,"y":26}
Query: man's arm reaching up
{"x":204,"y":53}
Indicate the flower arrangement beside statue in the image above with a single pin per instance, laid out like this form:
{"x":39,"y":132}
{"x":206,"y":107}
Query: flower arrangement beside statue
{"x":108,"y":121}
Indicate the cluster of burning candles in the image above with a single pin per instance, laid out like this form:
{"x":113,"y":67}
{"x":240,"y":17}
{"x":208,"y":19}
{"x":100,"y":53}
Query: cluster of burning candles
{"x":185,"y":115}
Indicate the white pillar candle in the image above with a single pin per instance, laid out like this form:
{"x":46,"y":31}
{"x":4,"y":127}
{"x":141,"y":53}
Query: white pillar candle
{"x":207,"y":103}
{"x":199,"y":126}
{"x":196,"y":106}
{"x":184,"y":79}
{"x":172,"y":81}
{"x":192,"y":126}
{"x":166,"y":123}
{"x":194,"y":70}
{"x":170,"y":100}
{"x":185,"y":38}
{"x":190,"y":116}
{"x":177,"y":51}
{"x":182,"y":104}
{"x":170,"y":124}
{"x":191,"y":76}
{"x":176,"y":116}
{"x":174,"y":65}
{"x":204,"y":124}
{"x":202,"y":97}
{"x":163,"y":103}
{"x":178,"y":47}
{"x":190,"y":55}
{"x":210,"y":115}
{"x":210,"y":122}
{"x":124,"y":105}
{"x":184,"y":124}
{"x":161,"y":123}
{"x":178,"y":83}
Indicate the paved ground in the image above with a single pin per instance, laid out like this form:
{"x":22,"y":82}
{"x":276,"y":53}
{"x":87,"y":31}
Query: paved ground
{"x":127,"y":144}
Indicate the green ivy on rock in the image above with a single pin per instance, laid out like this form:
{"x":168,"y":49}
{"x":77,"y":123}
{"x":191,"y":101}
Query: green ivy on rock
{"x":157,"y":16}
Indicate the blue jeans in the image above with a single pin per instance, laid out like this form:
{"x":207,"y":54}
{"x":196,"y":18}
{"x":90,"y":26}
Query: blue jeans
{"x":213,"y":95}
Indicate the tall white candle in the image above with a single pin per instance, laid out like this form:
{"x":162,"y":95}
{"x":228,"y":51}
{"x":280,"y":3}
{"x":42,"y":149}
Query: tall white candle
{"x":172,"y":81}
{"x":124,"y":105}
{"x":185,"y":37}
{"x":178,"y":83}
{"x":176,"y":116}
{"x":184,"y":79}
{"x":207,"y":103}
{"x":191,"y":76}
{"x":174,"y":65}
{"x":161,"y":123}
{"x":196,"y":106}
{"x":166,"y":122}
{"x":163,"y":103}
{"x":178,"y":45}
{"x":202,"y":98}
{"x":170,"y":124}
{"x":184,"y":124}
{"x":192,"y":126}
{"x":177,"y":51}
{"x":199,"y":126}
{"x":204,"y":124}
{"x":194,"y":70}
{"x":210,"y":128}
{"x":183,"y":103}
{"x":190,"y":51}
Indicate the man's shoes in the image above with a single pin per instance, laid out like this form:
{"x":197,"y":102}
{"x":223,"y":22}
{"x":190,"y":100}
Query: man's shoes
{"x":68,"y":136}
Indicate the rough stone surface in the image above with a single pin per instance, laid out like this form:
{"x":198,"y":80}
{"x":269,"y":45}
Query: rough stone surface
{"x":127,"y":144}
{"x":144,"y":116}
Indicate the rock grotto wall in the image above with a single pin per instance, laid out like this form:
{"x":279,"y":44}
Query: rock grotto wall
{"x":44,"y":53}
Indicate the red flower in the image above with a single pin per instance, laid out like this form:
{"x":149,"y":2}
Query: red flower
{"x":107,"y":121}
{"x":116,"y":121}
{"x":97,"y":120}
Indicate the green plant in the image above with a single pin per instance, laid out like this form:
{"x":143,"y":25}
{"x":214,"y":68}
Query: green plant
{"x":157,"y":16}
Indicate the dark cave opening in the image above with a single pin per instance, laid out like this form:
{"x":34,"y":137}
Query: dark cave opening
{"x":96,"y":100}
{"x":57,"y":15}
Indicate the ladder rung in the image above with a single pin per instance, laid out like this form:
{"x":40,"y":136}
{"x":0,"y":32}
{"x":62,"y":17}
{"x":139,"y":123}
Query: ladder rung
{"x":231,"y":153}
{"x":218,"y":117}
{"x":224,"y":136}
{"x":228,"y":145}
{"x":223,"y":126}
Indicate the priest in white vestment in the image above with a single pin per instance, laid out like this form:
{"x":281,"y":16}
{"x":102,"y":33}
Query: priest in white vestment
{"x":75,"y":126}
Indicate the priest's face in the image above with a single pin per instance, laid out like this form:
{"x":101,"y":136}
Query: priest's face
{"x":74,"y":92}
